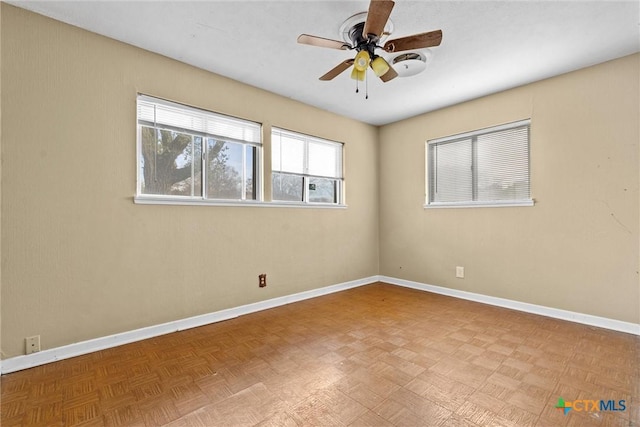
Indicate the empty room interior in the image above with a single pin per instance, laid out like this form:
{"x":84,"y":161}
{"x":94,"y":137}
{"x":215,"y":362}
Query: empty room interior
{"x":325,"y":213}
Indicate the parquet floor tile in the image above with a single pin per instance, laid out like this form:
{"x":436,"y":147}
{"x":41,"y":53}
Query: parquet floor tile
{"x":377,"y":355}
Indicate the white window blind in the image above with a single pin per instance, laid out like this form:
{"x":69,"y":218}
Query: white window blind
{"x":157,"y":112}
{"x":287,"y":153}
{"x":484,"y":167}
{"x":306,"y":155}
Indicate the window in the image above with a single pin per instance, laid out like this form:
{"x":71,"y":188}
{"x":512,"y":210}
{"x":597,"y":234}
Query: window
{"x":305,"y":169}
{"x":484,"y":167}
{"x":187,"y":153}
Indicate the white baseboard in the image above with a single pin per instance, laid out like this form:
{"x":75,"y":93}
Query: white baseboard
{"x":76,"y":349}
{"x":587,"y":319}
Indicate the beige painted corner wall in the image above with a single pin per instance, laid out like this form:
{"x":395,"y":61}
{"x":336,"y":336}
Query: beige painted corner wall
{"x":80,"y":260}
{"x":0,"y":185}
{"x":577,"y":248}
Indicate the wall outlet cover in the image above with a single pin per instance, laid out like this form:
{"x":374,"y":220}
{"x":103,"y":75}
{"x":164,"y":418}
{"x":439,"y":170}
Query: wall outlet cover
{"x":32,"y":344}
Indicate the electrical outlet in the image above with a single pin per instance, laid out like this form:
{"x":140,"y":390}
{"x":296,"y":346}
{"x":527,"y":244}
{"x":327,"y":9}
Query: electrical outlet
{"x":460,"y":272}
{"x":262,"y":280}
{"x":32,"y":344}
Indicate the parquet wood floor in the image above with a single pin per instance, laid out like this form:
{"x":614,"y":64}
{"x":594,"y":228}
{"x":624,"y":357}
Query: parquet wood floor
{"x":377,"y":355}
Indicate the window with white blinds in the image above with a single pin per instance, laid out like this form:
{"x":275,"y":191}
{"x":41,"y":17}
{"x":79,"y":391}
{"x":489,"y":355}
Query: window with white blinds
{"x":188,"y":153}
{"x":305,"y":169}
{"x":485,"y":167}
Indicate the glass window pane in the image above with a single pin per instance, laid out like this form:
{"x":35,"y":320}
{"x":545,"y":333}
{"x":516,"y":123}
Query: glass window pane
{"x":197,"y":162}
{"x":224,"y":170}
{"x":250,"y":166}
{"x":287,"y":187}
{"x":323,"y":190}
{"x":451,"y":174}
{"x":323,"y":160}
{"x":170,"y":163}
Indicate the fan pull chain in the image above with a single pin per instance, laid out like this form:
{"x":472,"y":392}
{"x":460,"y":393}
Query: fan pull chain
{"x":357,"y":90}
{"x":366,"y":84}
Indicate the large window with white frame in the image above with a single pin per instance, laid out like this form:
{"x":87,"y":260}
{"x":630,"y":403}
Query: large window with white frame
{"x":487,"y":167}
{"x":187,"y":153}
{"x":305,"y":169}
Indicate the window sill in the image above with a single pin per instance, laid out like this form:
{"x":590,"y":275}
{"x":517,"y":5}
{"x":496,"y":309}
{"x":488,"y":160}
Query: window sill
{"x":159,"y":200}
{"x":497,"y":204}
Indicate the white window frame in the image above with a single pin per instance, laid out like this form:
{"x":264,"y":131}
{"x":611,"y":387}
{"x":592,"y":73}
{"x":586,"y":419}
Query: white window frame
{"x":206,"y":125}
{"x":429,"y":146}
{"x":305,"y":175}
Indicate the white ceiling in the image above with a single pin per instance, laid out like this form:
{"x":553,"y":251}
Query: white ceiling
{"x":487,"y":46}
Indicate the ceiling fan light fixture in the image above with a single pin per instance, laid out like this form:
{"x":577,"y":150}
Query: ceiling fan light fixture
{"x":357,"y":74}
{"x":362,"y":60}
{"x":379,"y":66}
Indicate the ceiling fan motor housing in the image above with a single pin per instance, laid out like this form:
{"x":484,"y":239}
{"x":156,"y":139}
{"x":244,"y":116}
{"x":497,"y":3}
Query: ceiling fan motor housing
{"x":360,"y":42}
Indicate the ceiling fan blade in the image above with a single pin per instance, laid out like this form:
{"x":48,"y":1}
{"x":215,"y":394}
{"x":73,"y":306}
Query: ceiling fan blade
{"x":416,"y":41}
{"x":337,"y":70}
{"x":377,"y":17}
{"x":389,"y":75}
{"x":322,"y":42}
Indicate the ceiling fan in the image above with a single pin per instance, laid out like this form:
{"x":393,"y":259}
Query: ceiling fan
{"x":365,"y":37}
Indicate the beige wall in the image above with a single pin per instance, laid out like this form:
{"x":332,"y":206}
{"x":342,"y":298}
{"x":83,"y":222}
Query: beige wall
{"x":0,"y":186}
{"x":81,"y":260}
{"x":577,"y":248}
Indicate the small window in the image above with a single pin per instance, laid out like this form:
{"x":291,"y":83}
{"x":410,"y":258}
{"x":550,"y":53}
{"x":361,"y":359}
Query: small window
{"x":305,"y":169}
{"x":187,"y":153}
{"x":485,"y":167}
